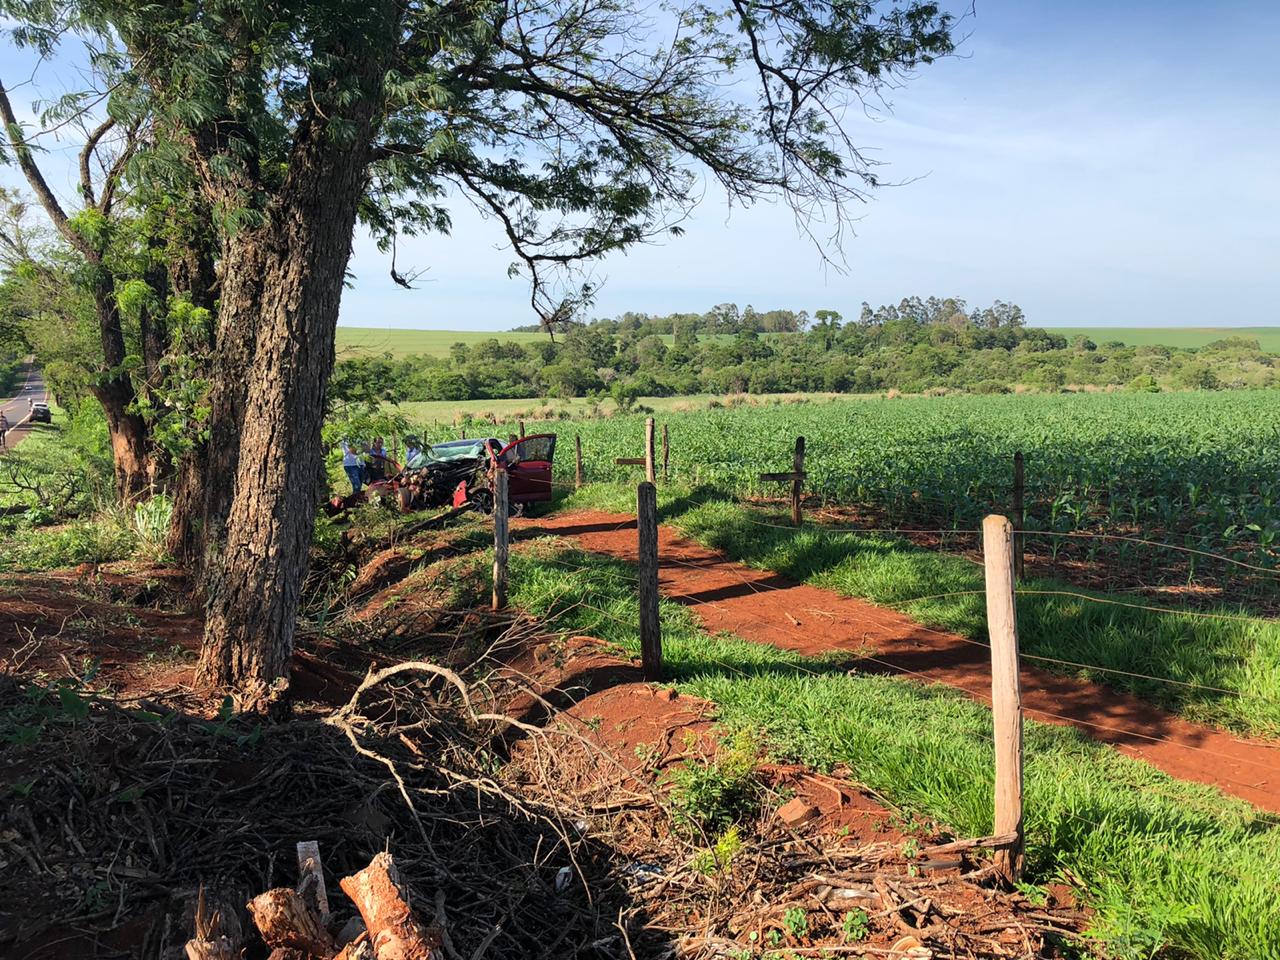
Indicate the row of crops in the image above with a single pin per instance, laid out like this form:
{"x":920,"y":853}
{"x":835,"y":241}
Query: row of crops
{"x":1193,"y":469}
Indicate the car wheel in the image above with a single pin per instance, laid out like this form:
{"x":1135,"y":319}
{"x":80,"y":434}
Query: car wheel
{"x":482,"y":500}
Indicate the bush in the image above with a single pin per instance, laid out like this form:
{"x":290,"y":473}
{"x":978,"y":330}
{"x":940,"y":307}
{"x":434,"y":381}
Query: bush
{"x":709,"y":797}
{"x":989,"y":387}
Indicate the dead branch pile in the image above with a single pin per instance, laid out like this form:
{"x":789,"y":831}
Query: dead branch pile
{"x":115,"y":817}
{"x":783,"y":888}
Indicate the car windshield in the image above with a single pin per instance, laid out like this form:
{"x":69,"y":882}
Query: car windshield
{"x":454,"y":450}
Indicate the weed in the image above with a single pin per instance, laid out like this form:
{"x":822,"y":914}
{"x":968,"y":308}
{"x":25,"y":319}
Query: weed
{"x":719,"y":857}
{"x":796,"y":922}
{"x":855,"y":926}
{"x":707,"y":797}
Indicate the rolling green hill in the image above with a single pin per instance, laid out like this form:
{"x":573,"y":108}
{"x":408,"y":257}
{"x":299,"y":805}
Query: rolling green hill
{"x":353,"y":341}
{"x":1268,"y":337}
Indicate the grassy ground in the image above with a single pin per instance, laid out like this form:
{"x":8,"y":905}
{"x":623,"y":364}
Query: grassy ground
{"x":1166,"y":864}
{"x":102,"y":533}
{"x":1268,"y":337}
{"x":1240,"y":656}
{"x":354,"y":341}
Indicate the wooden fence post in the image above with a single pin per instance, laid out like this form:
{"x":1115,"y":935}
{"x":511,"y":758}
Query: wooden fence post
{"x":1019,"y":516}
{"x":501,"y":542}
{"x":578,"y":479}
{"x":666,"y":453}
{"x":650,"y":473}
{"x":522,"y":433}
{"x":650,"y":627}
{"x":797,"y":482}
{"x":1006,"y":693}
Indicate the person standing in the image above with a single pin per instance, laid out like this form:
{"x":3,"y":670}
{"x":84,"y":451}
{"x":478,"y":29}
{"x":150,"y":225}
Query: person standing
{"x":377,"y":469}
{"x":4,"y":432}
{"x":353,"y":465}
{"x":412,"y":450}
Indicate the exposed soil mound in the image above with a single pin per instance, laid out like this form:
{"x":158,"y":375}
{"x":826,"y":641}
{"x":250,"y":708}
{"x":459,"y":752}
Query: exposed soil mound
{"x":387,"y":567}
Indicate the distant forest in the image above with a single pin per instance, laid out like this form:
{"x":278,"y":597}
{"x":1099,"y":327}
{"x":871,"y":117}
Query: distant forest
{"x":915,"y":346}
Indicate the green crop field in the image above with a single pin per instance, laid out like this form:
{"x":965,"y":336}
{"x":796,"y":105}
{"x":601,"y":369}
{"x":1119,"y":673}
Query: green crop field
{"x":1200,"y":468}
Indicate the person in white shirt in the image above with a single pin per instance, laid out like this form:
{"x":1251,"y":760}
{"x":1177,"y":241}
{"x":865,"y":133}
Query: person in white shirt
{"x":353,"y":464}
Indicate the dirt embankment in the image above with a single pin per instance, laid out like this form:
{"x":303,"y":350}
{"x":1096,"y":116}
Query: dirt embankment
{"x":553,"y":828}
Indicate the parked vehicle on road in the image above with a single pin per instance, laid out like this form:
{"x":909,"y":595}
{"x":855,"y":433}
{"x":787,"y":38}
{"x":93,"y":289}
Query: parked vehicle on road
{"x":40,"y":413}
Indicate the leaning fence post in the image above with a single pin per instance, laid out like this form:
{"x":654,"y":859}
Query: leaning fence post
{"x":522,"y":433}
{"x":501,"y":541}
{"x":650,"y":627}
{"x":577,"y":463}
{"x":1019,"y":516}
{"x":797,"y":481}
{"x":666,"y":453}
{"x":1006,"y":694}
{"x":650,"y":474}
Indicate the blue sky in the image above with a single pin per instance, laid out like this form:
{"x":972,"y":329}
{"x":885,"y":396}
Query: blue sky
{"x":1098,"y":163}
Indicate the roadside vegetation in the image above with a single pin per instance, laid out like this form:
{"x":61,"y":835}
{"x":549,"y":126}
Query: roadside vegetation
{"x":1167,"y":865}
{"x":57,"y":503}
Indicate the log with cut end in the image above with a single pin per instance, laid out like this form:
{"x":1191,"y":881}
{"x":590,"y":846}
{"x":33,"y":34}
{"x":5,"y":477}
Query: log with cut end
{"x":393,"y":931}
{"x":286,"y":922}
{"x":217,"y":930}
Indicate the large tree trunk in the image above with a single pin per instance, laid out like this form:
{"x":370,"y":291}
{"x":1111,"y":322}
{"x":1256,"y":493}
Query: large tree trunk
{"x":207,"y":478}
{"x":285,"y":280}
{"x":255,"y":582}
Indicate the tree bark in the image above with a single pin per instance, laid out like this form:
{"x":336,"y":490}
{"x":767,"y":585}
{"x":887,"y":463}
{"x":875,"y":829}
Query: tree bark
{"x":292,"y":300}
{"x":128,"y":432}
{"x":192,"y":274}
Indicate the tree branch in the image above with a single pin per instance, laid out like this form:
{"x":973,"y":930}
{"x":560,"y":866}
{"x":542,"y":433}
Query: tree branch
{"x":27,"y":162}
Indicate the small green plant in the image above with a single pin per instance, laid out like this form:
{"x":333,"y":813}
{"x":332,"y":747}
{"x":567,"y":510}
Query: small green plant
{"x":710,"y":796}
{"x":910,"y":848}
{"x":774,"y":937}
{"x":719,"y":857}
{"x":796,"y":921}
{"x":855,"y":926}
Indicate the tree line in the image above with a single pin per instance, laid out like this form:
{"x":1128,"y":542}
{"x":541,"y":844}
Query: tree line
{"x":188,"y":285}
{"x":914,"y":346}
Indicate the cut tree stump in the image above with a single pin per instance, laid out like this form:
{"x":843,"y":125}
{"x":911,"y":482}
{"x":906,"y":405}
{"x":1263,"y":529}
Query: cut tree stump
{"x":394,"y":932}
{"x":217,"y":930}
{"x":285,"y":921}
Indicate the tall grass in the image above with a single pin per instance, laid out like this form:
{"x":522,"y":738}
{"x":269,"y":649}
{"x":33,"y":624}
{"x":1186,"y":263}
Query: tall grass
{"x":1168,"y":866}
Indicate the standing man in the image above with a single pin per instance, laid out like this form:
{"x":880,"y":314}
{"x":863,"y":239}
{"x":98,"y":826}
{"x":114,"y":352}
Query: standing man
{"x":4,"y":432}
{"x":412,"y":450}
{"x":377,"y":468}
{"x":353,"y":465}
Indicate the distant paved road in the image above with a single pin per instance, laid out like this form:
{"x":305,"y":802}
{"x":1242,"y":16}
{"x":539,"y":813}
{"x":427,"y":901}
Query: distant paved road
{"x":18,"y":408}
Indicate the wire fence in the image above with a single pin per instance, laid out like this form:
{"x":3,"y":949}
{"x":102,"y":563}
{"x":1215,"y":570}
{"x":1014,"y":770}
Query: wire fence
{"x":978,"y":689}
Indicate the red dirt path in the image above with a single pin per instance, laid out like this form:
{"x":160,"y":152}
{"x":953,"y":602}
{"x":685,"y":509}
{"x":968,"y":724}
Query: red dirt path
{"x":766,"y":607}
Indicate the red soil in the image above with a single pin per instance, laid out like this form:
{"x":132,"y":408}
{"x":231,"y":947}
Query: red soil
{"x":765,"y":607}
